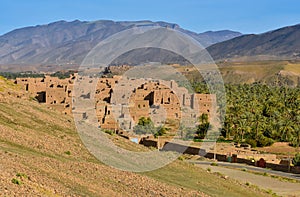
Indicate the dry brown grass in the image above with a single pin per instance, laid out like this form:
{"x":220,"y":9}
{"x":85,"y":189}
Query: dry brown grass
{"x":43,"y":145}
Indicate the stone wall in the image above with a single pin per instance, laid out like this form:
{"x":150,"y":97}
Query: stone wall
{"x":171,"y":146}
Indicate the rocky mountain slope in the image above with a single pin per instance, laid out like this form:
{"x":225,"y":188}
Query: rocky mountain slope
{"x":68,"y":42}
{"x":283,"y":43}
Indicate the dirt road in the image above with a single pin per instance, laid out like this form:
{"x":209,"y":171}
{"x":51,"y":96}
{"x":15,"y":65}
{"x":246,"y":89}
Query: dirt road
{"x":268,"y":183}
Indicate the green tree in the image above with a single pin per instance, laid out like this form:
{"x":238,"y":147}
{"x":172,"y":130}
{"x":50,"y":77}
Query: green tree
{"x":260,"y":113}
{"x":160,"y":131}
{"x":296,"y":159}
{"x":144,"y":126}
{"x":203,"y":127}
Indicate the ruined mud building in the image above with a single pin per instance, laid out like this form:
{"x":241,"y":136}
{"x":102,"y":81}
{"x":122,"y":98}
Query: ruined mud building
{"x":120,"y":102}
{"x":55,"y":92}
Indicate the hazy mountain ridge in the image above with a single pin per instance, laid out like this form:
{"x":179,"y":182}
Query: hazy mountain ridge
{"x":68,"y":42}
{"x":283,"y":43}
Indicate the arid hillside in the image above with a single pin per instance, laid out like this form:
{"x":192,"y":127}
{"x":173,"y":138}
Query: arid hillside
{"x":42,"y":155}
{"x":274,"y":73}
{"x":279,"y":44}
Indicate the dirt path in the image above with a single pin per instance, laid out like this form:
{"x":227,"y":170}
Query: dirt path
{"x":267,"y":183}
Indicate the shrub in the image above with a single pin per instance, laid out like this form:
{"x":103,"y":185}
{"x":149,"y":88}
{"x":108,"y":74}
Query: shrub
{"x":198,"y":140}
{"x":16,"y":181}
{"x":269,"y":191}
{"x":222,"y":139}
{"x":265,"y":174}
{"x":109,"y":132}
{"x":144,"y":126}
{"x":21,"y":175}
{"x":260,"y":142}
{"x":264,"y":141}
{"x":68,"y":152}
{"x":219,"y":174}
{"x":214,"y":164}
{"x":296,"y":160}
{"x":252,"y":142}
{"x":161,"y":131}
{"x":181,"y":158}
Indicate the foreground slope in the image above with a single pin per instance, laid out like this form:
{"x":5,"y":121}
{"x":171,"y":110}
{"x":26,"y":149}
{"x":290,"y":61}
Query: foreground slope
{"x":44,"y":146}
{"x":42,"y":155}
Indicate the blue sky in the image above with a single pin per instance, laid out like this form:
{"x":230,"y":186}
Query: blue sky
{"x":246,"y":16}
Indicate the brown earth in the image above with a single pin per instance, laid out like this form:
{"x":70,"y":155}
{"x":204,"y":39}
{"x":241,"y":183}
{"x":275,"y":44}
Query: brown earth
{"x":43,"y":145}
{"x":41,"y":154}
{"x":282,"y":149}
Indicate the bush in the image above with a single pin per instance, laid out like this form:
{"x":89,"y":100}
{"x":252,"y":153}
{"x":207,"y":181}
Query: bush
{"x":252,"y":142}
{"x":222,"y":139}
{"x":109,"y":132}
{"x":198,"y":140}
{"x":264,"y":141}
{"x":269,"y":191}
{"x":144,"y":126}
{"x":181,"y":158}
{"x":68,"y":153}
{"x":21,"y":175}
{"x":161,"y":131}
{"x":260,"y":142}
{"x":296,"y":160}
{"x":16,"y":181}
{"x":294,"y":142}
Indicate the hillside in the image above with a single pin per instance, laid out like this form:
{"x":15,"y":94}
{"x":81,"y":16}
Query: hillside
{"x":64,"y":43}
{"x":281,"y":44}
{"x":42,"y":155}
{"x":275,"y":73}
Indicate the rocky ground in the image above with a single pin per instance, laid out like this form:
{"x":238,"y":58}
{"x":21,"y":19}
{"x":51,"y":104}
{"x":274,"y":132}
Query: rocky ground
{"x":41,"y":150}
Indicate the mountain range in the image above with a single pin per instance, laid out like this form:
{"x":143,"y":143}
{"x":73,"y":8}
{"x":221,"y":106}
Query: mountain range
{"x":68,"y":42}
{"x":282,"y":44}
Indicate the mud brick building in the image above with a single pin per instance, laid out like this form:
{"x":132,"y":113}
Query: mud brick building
{"x":120,"y":102}
{"x":55,"y":92}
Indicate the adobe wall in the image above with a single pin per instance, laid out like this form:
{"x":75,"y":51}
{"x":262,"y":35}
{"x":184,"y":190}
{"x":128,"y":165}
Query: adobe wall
{"x":128,"y":99}
{"x":53,"y":91}
{"x":171,"y":146}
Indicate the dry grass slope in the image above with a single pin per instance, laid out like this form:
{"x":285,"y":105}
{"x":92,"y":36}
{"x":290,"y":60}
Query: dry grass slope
{"x":42,"y":155}
{"x":259,"y":71}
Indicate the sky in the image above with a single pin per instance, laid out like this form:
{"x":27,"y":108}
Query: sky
{"x":246,"y":16}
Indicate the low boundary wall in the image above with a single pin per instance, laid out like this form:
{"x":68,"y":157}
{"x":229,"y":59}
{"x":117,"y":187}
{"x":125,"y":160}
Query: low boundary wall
{"x":171,"y":146}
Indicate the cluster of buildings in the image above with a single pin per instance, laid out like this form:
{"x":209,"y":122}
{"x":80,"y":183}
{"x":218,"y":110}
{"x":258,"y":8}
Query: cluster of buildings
{"x":54,"y":92}
{"x":120,"y":102}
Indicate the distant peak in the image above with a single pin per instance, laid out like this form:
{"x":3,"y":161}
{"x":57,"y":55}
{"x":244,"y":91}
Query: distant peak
{"x":58,"y":22}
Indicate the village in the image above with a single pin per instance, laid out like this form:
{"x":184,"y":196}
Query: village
{"x":120,"y":102}
{"x":113,"y":93}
